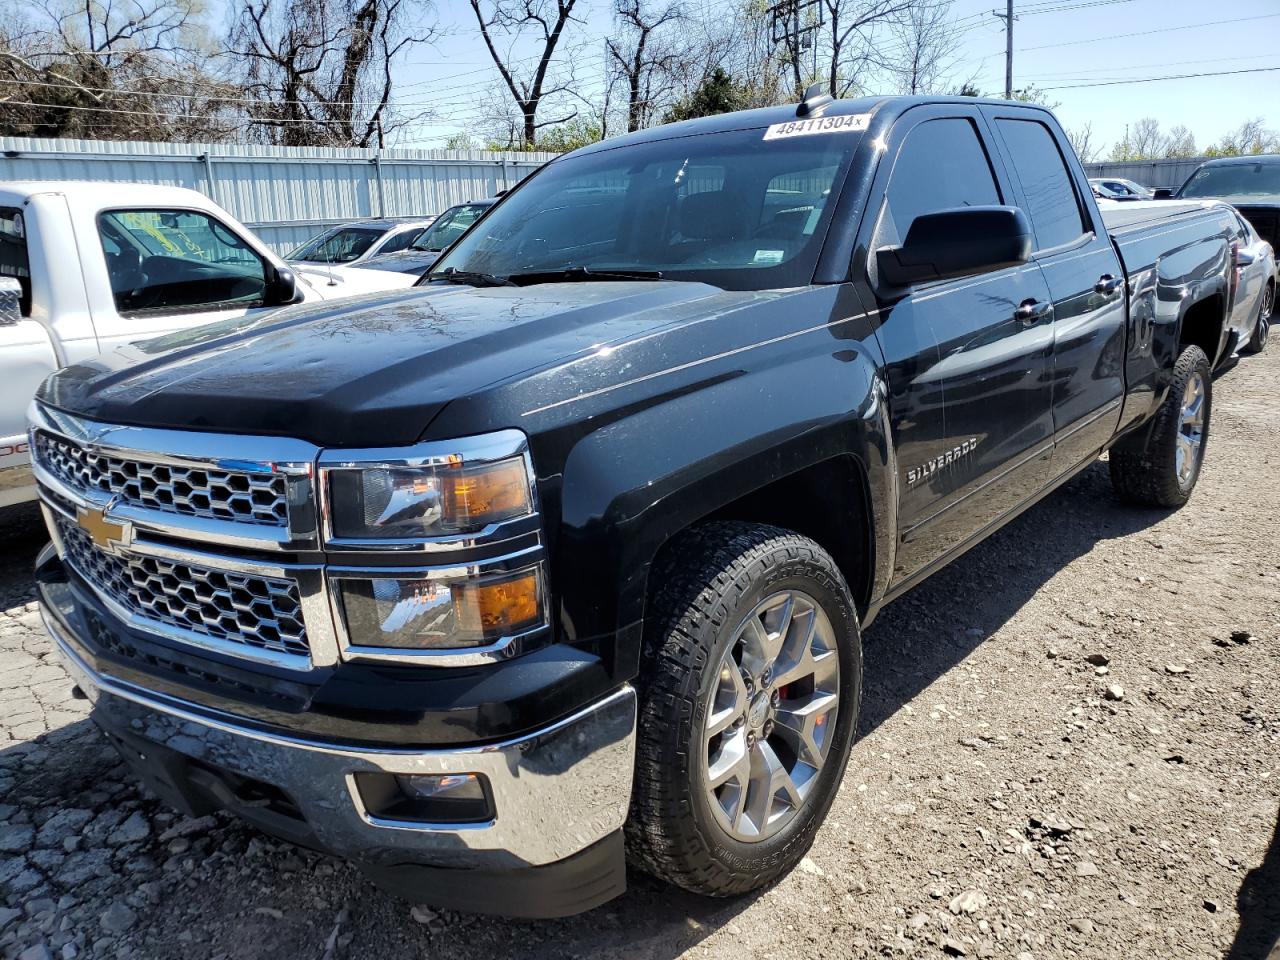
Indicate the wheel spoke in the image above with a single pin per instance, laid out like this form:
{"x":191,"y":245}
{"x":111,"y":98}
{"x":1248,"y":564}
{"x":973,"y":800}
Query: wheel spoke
{"x":1194,"y":411}
{"x":730,"y":700}
{"x":771,"y":783}
{"x":732,"y":762}
{"x":804,"y":725}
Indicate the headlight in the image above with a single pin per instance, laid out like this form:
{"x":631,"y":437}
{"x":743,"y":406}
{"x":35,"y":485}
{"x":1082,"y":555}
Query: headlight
{"x":411,"y":613}
{"x":436,"y":490}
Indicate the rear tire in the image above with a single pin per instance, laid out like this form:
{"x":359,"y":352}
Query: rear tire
{"x":1258,"y":342}
{"x":728,"y":708}
{"x":1163,"y":470}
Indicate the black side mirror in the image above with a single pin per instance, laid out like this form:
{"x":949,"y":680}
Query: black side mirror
{"x":957,"y":243}
{"x":1163,"y":193}
{"x":282,"y":286}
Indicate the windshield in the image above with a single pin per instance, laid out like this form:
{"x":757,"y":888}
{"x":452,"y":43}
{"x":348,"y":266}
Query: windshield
{"x":731,"y":209}
{"x":449,"y":227}
{"x":339,"y":245}
{"x":1234,"y":180}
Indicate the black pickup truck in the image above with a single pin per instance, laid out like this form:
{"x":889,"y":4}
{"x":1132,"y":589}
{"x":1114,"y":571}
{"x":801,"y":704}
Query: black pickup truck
{"x":565,"y":555}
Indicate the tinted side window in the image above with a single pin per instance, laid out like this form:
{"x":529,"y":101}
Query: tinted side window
{"x":13,"y":253}
{"x":941,"y":165}
{"x":398,"y":242}
{"x":177,"y":260}
{"x":1051,"y":198}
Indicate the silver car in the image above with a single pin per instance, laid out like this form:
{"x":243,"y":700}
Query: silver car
{"x":1255,"y":289}
{"x":351,"y":244}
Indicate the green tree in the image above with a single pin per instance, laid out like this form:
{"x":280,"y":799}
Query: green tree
{"x":717,"y":93}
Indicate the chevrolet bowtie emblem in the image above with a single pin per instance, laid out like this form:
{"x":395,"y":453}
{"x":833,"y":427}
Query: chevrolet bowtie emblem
{"x":105,"y":533}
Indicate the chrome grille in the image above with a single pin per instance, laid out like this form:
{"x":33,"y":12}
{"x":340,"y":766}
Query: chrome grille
{"x":235,"y":608}
{"x":242,"y":497}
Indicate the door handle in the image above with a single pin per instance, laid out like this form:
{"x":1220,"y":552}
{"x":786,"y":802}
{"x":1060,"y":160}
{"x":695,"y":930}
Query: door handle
{"x":1031,"y":312}
{"x":1107,"y":285}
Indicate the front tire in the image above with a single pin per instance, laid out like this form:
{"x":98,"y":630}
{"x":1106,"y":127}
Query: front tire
{"x":750,"y":690}
{"x":1163,"y":470}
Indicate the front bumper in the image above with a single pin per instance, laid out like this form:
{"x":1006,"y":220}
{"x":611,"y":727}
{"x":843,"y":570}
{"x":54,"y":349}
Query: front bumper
{"x":560,"y":796}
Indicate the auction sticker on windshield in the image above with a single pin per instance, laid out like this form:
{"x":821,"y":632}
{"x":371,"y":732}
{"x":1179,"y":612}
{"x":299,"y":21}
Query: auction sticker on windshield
{"x":849,"y":123}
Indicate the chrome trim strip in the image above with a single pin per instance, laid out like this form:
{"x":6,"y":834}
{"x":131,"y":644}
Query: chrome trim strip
{"x":504,"y":648}
{"x":294,"y":459}
{"x":556,"y":790}
{"x":316,"y":615}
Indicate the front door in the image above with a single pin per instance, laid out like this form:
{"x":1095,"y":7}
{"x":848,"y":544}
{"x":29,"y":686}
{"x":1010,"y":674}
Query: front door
{"x":169,"y":269}
{"x":968,"y":360}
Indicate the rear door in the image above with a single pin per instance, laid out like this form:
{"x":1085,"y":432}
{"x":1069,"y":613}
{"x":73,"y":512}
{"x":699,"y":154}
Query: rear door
{"x":1086,"y":282}
{"x":967,"y":359}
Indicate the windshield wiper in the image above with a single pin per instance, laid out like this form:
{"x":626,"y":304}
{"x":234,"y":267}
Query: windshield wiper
{"x":469,"y":278}
{"x":574,"y":274}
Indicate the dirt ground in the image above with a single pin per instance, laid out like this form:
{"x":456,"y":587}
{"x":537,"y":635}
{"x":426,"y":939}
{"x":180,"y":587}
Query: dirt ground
{"x":1002,"y":800}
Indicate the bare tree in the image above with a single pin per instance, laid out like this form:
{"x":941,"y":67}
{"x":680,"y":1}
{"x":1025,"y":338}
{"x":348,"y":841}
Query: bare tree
{"x":1180,"y":142}
{"x":110,"y":69}
{"x":540,"y":23}
{"x":927,"y":43}
{"x":1251,"y":137}
{"x":320,"y":72}
{"x":643,"y":57}
{"x":1082,"y":142}
{"x":852,"y":27}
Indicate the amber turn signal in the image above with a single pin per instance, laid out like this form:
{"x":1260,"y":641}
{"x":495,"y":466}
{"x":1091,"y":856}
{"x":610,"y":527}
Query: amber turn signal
{"x":497,"y":608}
{"x":476,"y":496}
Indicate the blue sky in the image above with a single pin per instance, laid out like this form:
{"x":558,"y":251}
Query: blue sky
{"x":1111,"y":40}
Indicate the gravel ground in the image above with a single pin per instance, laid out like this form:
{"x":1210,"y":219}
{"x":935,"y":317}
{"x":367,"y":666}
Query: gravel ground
{"x":1069,"y":749}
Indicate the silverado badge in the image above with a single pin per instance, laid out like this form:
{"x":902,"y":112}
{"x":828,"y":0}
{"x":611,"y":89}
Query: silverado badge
{"x":944,"y":459}
{"x":106,"y":534}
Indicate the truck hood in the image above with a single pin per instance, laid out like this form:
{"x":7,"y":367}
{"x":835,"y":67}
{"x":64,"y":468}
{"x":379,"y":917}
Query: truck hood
{"x":370,"y":371}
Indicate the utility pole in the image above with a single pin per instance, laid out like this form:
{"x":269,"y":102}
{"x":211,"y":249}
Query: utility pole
{"x":1008,"y":18}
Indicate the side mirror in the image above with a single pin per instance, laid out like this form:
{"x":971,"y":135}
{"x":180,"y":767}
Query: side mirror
{"x":282,"y":286}
{"x":1244,"y":258}
{"x":957,"y":243}
{"x":10,"y":301}
{"x":1163,"y":193}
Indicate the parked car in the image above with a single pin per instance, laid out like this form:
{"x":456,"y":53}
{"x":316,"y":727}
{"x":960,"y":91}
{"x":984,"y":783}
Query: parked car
{"x":98,"y":267}
{"x":577,"y":539}
{"x":1112,"y":188}
{"x":1250,"y":184}
{"x":426,"y":247}
{"x":352,"y":244}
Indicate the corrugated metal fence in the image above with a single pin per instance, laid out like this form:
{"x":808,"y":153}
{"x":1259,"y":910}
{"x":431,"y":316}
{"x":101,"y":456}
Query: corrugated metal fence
{"x":1149,"y":173}
{"x":284,"y":193}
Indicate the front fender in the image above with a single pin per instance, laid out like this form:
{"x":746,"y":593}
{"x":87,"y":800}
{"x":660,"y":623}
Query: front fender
{"x":638,"y":480}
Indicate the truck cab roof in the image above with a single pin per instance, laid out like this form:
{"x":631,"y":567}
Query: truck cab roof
{"x":93,"y":192}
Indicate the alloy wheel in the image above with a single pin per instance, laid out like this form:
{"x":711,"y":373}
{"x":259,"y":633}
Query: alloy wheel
{"x":771,"y":716}
{"x":1190,"y":429}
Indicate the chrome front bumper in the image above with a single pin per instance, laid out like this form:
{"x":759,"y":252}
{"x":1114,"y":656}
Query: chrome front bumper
{"x":555,"y":792}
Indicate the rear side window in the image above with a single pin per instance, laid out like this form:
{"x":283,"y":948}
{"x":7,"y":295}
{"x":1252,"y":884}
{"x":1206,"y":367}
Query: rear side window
{"x":398,"y":242}
{"x":13,"y":253}
{"x":178,"y":261}
{"x":1051,"y":198}
{"x":941,"y":165}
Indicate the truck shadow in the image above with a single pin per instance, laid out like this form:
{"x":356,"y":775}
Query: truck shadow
{"x":925,"y":633}
{"x":1258,"y":903}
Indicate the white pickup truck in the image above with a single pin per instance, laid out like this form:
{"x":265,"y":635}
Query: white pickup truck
{"x":96,"y":265}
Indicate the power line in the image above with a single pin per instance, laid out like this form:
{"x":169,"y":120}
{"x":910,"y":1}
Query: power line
{"x":1177,"y":76}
